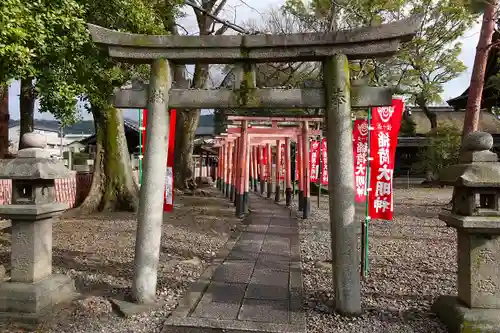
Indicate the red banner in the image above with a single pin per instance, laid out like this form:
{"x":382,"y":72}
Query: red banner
{"x":360,"y":153}
{"x":283,"y":170}
{"x":324,"y":163}
{"x":314,"y":160}
{"x":385,"y":124}
{"x":168,"y":204}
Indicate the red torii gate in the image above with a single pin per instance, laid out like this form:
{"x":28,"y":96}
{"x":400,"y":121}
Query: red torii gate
{"x":241,"y":147}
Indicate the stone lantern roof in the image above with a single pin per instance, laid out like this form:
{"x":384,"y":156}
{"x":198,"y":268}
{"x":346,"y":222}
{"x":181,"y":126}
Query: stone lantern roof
{"x":33,"y":162}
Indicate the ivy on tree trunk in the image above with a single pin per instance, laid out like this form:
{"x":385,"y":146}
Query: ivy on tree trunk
{"x":113,"y":186}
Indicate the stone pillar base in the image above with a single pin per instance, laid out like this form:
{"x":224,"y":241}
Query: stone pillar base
{"x":277,"y":194}
{"x":301,"y":200}
{"x":269,"y":189}
{"x":459,"y":318}
{"x":306,"y":207}
{"x":288,"y":197}
{"x":31,"y":300}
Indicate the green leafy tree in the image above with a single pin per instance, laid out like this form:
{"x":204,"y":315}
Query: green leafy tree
{"x":424,"y":64}
{"x":442,"y":150}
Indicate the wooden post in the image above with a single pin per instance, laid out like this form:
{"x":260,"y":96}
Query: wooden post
{"x":345,"y":258}
{"x":306,"y":203}
{"x":218,"y":182}
{"x":236,"y":166}
{"x":201,"y":166}
{"x":300,"y":171}
{"x":242,"y":170}
{"x":232,"y":189}
{"x":250,"y":161}
{"x":288,"y":173}
{"x":256,"y":168}
{"x":262,"y":166}
{"x":246,"y":179}
{"x":225,"y":169}
{"x":269,"y":171}
{"x":230,"y":169}
{"x":277,"y":193}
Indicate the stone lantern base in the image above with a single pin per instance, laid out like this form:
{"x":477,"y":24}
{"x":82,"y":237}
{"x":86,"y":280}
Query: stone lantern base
{"x":30,"y":301}
{"x":458,"y":318}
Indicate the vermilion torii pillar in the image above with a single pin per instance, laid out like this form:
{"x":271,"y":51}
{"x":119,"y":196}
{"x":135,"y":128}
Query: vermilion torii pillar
{"x":306,"y":201}
{"x":288,"y":173}
{"x":230,"y":168}
{"x":277,"y":193}
{"x":255,"y":160}
{"x":262,"y":168}
{"x":269,"y":177}
{"x":300,"y":171}
{"x":242,"y":192}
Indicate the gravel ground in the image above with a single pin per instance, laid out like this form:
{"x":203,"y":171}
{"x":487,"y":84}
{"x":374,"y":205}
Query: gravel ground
{"x":98,"y":253}
{"x":412,"y":261}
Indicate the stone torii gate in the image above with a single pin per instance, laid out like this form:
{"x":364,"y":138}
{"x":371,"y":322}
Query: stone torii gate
{"x":333,"y":49}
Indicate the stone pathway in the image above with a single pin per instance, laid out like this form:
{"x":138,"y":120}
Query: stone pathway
{"x":255,"y":285}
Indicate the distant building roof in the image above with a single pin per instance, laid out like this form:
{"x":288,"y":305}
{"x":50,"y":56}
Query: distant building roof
{"x":488,"y":122}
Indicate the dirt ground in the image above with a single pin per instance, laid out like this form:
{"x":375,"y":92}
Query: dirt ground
{"x":412,"y":261}
{"x":98,"y":251}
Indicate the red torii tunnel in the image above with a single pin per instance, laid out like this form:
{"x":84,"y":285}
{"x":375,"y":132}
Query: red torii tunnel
{"x":241,"y":151}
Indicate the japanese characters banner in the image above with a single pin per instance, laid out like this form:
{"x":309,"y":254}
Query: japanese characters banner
{"x":282,"y":162}
{"x":168,"y":204}
{"x":324,"y":163}
{"x":385,"y":124}
{"x":360,"y":153}
{"x":314,"y":160}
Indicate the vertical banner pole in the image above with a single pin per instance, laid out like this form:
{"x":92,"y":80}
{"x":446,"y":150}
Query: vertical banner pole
{"x":140,"y":147}
{"x":367,"y":193}
{"x":168,"y":204}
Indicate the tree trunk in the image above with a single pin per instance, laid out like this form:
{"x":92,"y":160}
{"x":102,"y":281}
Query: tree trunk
{"x":422,"y":103}
{"x":187,"y":123}
{"x":4,"y":120}
{"x":27,"y":108}
{"x":474,"y":99}
{"x":113,"y":186}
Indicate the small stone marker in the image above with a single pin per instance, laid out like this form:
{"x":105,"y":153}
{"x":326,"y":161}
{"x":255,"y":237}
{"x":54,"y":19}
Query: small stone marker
{"x":33,"y":288}
{"x":476,"y":216}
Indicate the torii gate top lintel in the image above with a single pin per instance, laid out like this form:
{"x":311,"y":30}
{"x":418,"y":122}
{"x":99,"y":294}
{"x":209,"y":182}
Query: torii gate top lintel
{"x":361,"y":43}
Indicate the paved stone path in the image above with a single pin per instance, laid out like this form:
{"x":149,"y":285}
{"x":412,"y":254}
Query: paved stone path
{"x":255,"y":285}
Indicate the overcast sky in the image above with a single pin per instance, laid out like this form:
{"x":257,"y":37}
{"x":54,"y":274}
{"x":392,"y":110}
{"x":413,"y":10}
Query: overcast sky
{"x":239,"y":11}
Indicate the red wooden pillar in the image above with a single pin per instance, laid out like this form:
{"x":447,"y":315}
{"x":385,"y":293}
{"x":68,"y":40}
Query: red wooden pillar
{"x":219,"y":155}
{"x":235,"y":169}
{"x":226,"y":167}
{"x":230,"y":169}
{"x":288,"y":174}
{"x":269,"y":171}
{"x":242,"y":171}
{"x":300,"y":171}
{"x":256,"y":167}
{"x":223,"y":167}
{"x":306,"y":204}
{"x":277,"y":193}
{"x":262,"y":172}
{"x":250,"y":161}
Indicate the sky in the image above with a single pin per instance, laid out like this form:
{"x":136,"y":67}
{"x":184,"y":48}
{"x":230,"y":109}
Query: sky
{"x":240,"y":11}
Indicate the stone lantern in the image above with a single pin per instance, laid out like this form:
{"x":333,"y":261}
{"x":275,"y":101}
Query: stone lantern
{"x":475,"y":214}
{"x":33,"y":288}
